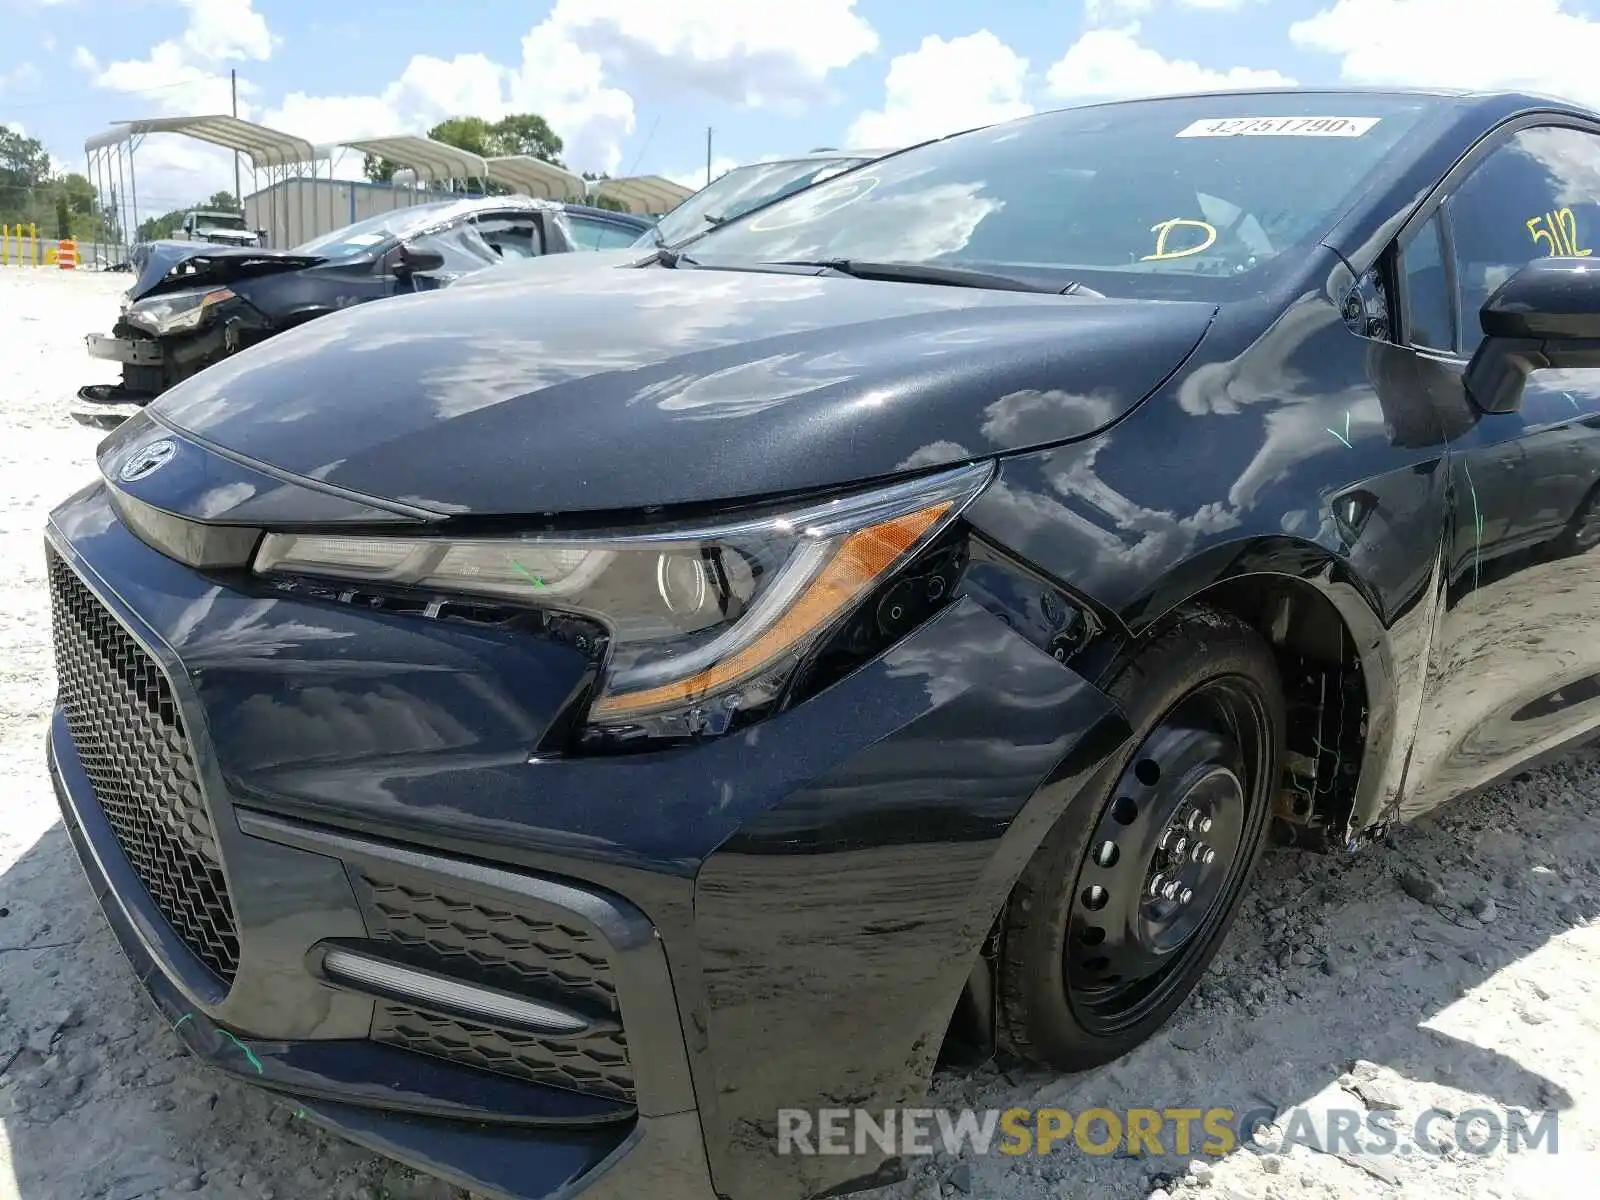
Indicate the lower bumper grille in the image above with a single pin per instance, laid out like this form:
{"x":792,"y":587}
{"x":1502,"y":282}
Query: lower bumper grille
{"x":485,"y":942}
{"x":130,"y":739}
{"x":596,"y":1065}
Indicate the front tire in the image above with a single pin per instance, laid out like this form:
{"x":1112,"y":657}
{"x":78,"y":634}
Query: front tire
{"x":1124,"y":904}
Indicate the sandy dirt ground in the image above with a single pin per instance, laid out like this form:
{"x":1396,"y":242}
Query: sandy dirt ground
{"x":1454,"y":969}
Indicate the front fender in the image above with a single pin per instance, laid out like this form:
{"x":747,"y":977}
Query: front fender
{"x":1369,"y":549}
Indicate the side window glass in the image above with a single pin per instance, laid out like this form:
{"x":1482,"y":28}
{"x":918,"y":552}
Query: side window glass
{"x":1535,"y":196}
{"x":1429,"y":312}
{"x":589,"y":234}
{"x":512,"y":237}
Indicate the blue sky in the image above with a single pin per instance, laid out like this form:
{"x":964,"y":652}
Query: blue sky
{"x":633,"y":84}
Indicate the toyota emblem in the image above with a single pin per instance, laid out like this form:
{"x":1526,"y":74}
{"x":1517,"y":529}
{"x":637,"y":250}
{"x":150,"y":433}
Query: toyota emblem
{"x":147,"y":460}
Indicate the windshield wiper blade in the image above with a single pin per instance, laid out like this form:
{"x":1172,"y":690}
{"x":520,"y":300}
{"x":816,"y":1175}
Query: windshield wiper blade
{"x":668,"y":257}
{"x":927,"y":273}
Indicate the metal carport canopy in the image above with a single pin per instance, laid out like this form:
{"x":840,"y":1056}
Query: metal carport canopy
{"x":264,"y":147}
{"x":535,"y":177}
{"x":652,"y":192}
{"x":430,"y":159}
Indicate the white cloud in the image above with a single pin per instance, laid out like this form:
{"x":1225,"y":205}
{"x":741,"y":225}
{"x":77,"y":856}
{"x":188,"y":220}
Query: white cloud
{"x":728,"y":50}
{"x":182,"y":75}
{"x":25,"y":76}
{"x":1107,"y":12}
{"x":168,"y":80}
{"x":220,"y":30}
{"x":555,"y":79}
{"x":718,"y":47}
{"x":1539,"y":45}
{"x":944,"y":87}
{"x":1112,"y":63}
{"x":185,"y":75}
{"x":742,"y":53}
{"x":565,"y":84}
{"x":175,"y":172}
{"x":695,"y":177}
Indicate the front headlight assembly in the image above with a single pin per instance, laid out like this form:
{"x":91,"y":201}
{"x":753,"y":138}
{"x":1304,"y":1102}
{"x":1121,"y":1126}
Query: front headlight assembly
{"x":703,"y":621}
{"x":175,"y":312}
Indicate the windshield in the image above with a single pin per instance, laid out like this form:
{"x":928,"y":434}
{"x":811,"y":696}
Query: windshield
{"x":374,"y":231}
{"x":740,"y":190}
{"x":1161,"y":197}
{"x":218,"y":221}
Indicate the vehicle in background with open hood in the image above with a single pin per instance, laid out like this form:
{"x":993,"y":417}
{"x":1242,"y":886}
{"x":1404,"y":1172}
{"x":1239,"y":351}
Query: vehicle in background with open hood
{"x":217,"y":228}
{"x":193,"y":303}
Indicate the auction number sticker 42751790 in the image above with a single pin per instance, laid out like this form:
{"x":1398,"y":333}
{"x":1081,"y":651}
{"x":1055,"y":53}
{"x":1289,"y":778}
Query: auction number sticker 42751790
{"x":1279,"y":127}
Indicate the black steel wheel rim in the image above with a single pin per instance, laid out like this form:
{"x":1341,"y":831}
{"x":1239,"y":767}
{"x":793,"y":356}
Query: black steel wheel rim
{"x":1168,"y":856}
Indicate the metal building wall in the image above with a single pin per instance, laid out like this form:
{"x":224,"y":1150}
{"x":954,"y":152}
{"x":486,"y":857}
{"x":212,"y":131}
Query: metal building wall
{"x":297,"y":210}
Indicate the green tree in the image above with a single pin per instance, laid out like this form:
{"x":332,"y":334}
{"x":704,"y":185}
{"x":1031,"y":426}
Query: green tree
{"x":471,"y":134}
{"x":31,"y":194}
{"x":80,"y":194}
{"x":153,"y":228}
{"x":24,"y":166}
{"x":222,"y":202}
{"x":525,"y":133}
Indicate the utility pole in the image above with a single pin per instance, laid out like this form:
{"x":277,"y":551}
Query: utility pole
{"x":708,"y":155}
{"x":233,"y":83}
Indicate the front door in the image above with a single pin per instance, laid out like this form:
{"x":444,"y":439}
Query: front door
{"x":1516,"y":654}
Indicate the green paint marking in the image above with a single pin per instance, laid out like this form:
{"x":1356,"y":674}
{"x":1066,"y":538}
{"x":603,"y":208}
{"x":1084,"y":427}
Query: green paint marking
{"x":1572,"y":401}
{"x":1477,"y":527}
{"x":1345,"y":436}
{"x":181,"y":1020}
{"x":536,"y":580}
{"x":248,"y":1053}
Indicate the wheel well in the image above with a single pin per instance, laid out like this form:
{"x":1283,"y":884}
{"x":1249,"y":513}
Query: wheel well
{"x":1326,"y":691}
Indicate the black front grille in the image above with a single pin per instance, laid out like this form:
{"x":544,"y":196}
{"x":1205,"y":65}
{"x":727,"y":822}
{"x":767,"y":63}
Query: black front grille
{"x":484,"y":941}
{"x":130,"y":739}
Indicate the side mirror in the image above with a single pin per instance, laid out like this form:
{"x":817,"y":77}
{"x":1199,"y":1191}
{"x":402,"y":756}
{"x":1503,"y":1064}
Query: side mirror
{"x":417,"y":260}
{"x":1546,"y":315}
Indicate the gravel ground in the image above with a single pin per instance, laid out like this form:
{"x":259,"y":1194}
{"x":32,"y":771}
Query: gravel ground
{"x":1453,"y":968}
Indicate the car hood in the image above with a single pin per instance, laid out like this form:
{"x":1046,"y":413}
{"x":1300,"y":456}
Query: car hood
{"x":165,"y":266}
{"x":574,"y":389}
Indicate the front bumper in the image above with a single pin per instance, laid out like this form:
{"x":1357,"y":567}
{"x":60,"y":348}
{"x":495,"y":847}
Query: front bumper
{"x":361,"y":1091}
{"x":136,"y":352}
{"x":152,"y":363}
{"x":789,"y":914}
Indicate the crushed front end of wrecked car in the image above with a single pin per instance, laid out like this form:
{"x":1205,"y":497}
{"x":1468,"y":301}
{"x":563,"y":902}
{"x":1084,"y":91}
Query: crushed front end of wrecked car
{"x":179,"y":316}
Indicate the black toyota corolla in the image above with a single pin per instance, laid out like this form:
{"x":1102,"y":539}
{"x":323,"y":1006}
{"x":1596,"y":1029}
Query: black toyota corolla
{"x":549,"y":726}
